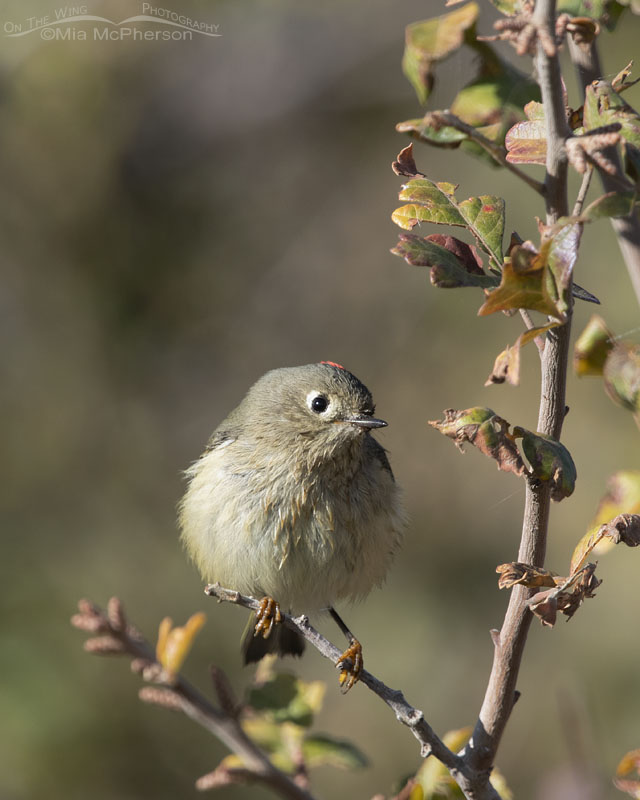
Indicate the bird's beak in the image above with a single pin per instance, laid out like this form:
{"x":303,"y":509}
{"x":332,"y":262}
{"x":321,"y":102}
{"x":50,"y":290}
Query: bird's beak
{"x":365,"y":421}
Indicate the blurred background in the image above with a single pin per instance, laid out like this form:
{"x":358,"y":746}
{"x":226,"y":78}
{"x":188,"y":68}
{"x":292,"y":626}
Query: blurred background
{"x":178,"y":218}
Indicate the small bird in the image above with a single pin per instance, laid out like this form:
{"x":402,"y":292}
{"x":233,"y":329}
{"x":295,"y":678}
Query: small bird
{"x":293,"y":501}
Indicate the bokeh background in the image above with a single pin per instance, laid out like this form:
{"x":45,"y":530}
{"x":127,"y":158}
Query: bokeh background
{"x":178,"y":218}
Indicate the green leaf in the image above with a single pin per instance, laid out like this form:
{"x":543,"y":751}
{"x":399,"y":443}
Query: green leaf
{"x":319,"y":749}
{"x":439,"y":136}
{"x":496,"y":96}
{"x":592,"y":347}
{"x":434,"y":205}
{"x":436,"y":202}
{"x":613,"y":204}
{"x":288,"y":699}
{"x":550,"y":461}
{"x":485,"y":217}
{"x":484,"y":429}
{"x":432,"y":40}
{"x":508,"y":7}
{"x":603,"y":106}
{"x":594,"y":9}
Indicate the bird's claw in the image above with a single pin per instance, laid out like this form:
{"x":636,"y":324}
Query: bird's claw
{"x":351,"y":670}
{"x":267,"y":616}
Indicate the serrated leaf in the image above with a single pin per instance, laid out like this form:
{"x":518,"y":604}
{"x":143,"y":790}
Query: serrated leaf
{"x":550,"y":461}
{"x":484,"y":429}
{"x":431,"y":202}
{"x":592,"y":347}
{"x":428,"y":204}
{"x":432,"y":40}
{"x":321,"y":749}
{"x":485,"y":217}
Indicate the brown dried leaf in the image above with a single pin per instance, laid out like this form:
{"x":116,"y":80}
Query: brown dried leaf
{"x":624,"y":528}
{"x":545,"y":606}
{"x":584,"y":587}
{"x":524,"y":574}
{"x":405,"y":164}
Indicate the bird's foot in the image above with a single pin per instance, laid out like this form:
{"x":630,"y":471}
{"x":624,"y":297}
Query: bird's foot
{"x":350,"y":666}
{"x":267,"y":616}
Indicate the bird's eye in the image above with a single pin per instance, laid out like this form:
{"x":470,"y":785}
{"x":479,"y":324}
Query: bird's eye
{"x":319,"y":403}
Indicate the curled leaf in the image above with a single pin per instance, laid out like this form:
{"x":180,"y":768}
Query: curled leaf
{"x":524,"y":574}
{"x":545,"y":606}
{"x":453,"y":263}
{"x":405,"y":164}
{"x":550,"y":461}
{"x":484,"y":429}
{"x":526,"y":142}
{"x":566,"y":598}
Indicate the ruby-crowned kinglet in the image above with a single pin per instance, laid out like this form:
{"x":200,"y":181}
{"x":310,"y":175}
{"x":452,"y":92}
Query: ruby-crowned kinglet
{"x":294,"y":500}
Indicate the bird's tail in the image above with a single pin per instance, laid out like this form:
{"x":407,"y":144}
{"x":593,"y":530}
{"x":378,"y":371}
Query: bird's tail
{"x":282,"y":641}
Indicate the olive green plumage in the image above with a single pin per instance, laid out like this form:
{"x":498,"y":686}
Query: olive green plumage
{"x":293,"y":498}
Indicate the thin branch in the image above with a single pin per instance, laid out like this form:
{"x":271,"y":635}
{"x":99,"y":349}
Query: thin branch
{"x":627,"y":229}
{"x":509,"y":643}
{"x":117,"y":636}
{"x":582,"y":193}
{"x":475,"y":784}
{"x":529,"y":325}
{"x":496,"y":151}
{"x":413,"y":718}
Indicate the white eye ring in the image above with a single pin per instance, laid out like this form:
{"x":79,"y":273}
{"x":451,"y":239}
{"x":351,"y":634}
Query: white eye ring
{"x":318,"y":402}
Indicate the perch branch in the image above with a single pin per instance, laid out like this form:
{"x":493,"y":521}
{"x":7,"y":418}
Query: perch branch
{"x":430,"y":743}
{"x":474,"y":784}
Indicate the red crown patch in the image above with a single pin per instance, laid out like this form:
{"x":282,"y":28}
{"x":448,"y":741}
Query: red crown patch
{"x":333,"y":364}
